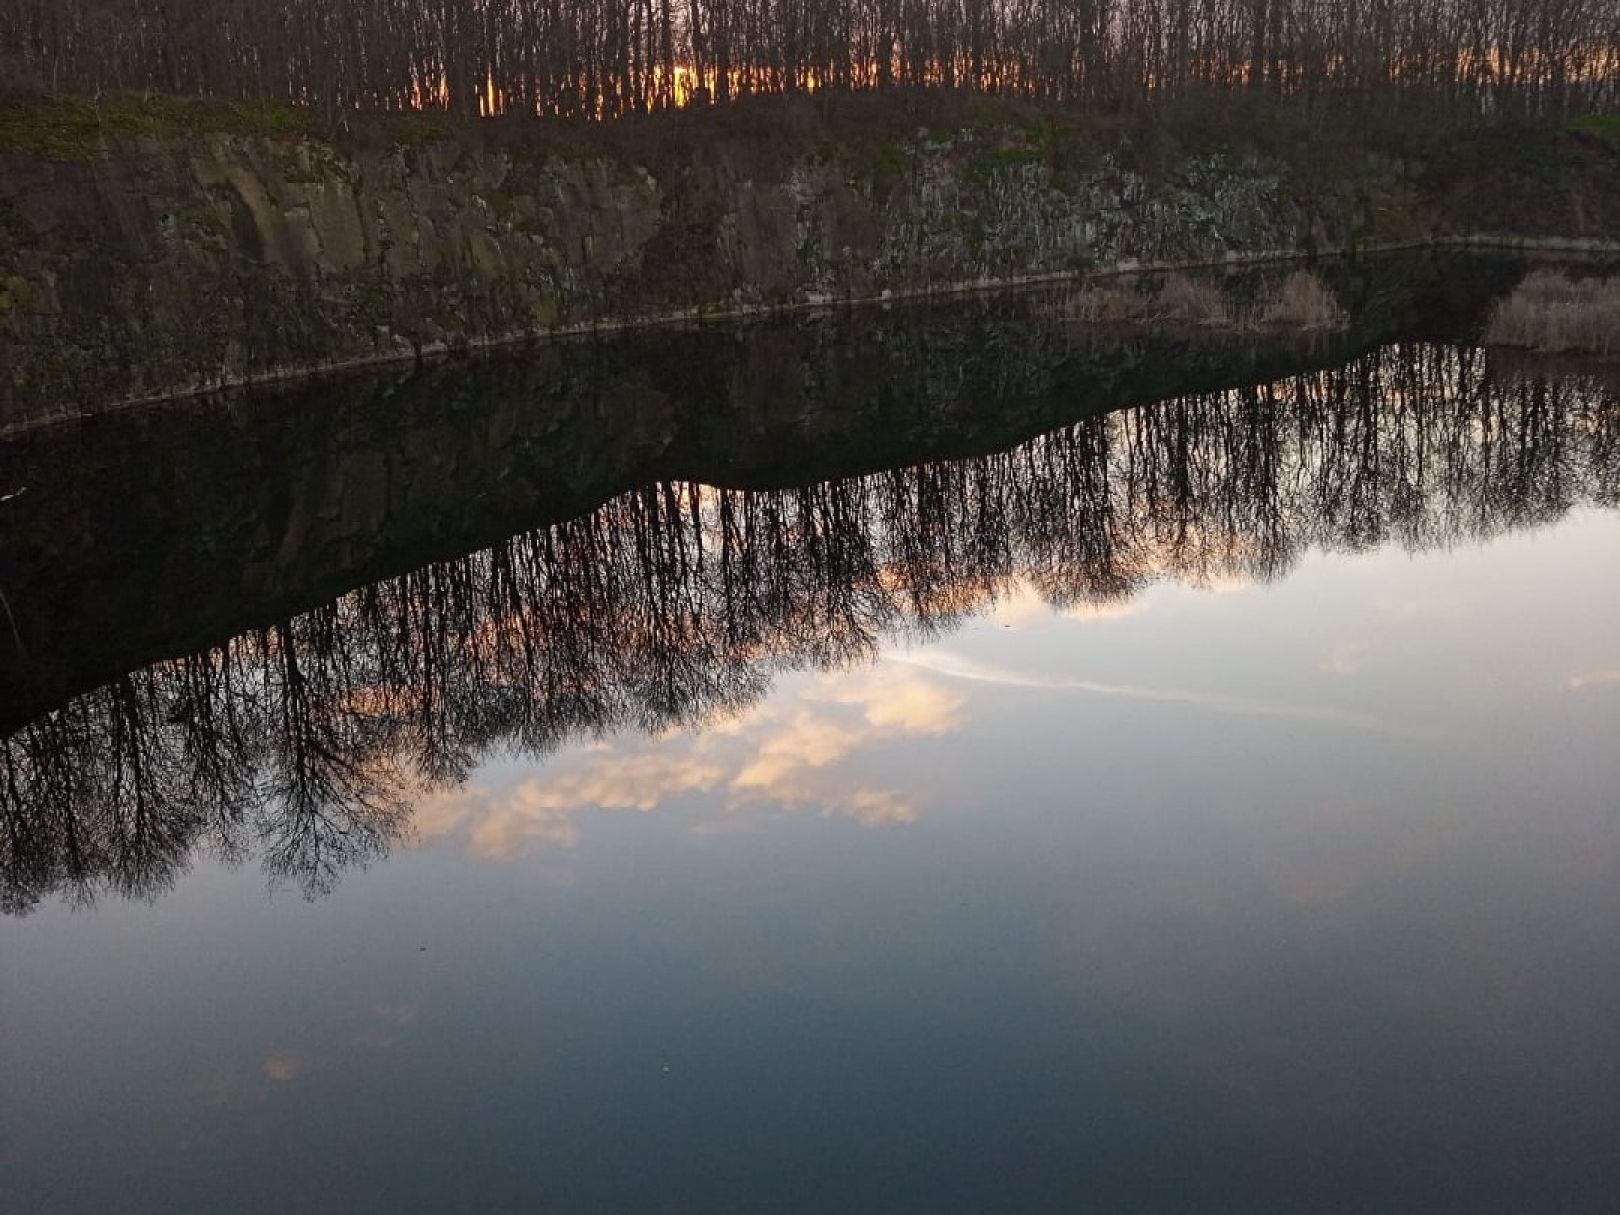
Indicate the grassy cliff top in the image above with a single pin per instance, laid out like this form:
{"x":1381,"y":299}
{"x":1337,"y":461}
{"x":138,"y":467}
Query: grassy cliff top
{"x":77,"y":128}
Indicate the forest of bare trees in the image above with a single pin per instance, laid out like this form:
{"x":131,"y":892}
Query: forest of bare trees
{"x":304,"y":742}
{"x":607,"y":57}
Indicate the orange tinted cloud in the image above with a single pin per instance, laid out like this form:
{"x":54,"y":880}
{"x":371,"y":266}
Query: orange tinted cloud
{"x":541,"y":809}
{"x":784,"y":753}
{"x":286,"y":1065}
{"x":1593,"y":679}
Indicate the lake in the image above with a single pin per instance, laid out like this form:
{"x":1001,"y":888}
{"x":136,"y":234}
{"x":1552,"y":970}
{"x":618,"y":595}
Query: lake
{"x":924,"y":759}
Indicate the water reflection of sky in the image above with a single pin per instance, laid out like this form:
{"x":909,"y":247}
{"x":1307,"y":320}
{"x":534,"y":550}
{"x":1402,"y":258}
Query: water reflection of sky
{"x":1302,"y":896}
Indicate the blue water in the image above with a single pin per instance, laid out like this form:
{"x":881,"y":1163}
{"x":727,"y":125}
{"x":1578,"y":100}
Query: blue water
{"x":1294,"y":889}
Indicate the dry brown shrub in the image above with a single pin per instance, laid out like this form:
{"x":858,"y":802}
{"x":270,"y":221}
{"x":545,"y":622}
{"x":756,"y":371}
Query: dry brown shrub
{"x":1106,"y":305}
{"x":1185,"y":301}
{"x":1179,"y":301}
{"x":1552,"y":312}
{"x":1301,"y":301}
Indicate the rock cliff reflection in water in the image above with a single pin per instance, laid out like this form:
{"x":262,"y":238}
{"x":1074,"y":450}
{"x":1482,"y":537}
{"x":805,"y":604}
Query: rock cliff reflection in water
{"x":674,"y":606}
{"x":1207,"y":806}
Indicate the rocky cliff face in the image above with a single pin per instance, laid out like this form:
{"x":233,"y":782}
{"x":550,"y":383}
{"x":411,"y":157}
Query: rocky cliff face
{"x":148,"y":262}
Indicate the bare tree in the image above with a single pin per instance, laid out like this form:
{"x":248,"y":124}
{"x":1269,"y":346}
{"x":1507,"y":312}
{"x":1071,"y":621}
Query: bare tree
{"x":1474,"y":59}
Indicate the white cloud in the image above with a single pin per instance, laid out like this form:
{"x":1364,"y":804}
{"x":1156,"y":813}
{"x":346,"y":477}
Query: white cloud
{"x":1345,"y":657}
{"x":1218,"y":702}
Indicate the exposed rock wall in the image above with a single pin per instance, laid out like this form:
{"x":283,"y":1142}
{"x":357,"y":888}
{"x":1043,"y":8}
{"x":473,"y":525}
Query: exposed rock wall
{"x":156,"y":263}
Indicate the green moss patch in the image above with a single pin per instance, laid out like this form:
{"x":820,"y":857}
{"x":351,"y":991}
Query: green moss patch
{"x":74,"y":128}
{"x":1604,"y":126}
{"x":78,"y":128}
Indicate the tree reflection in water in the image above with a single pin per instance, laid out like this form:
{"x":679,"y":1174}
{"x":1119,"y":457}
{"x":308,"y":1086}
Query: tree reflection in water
{"x":304,"y":744}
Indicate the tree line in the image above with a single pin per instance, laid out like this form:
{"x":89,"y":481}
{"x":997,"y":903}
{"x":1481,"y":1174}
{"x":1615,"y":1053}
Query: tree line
{"x":600,"y":58}
{"x":306,"y":742}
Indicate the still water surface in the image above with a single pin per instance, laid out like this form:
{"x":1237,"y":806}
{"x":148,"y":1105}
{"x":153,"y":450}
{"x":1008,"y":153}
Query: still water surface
{"x":1206,"y":806}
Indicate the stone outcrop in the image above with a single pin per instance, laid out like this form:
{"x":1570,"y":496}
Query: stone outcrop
{"x":148,"y":263}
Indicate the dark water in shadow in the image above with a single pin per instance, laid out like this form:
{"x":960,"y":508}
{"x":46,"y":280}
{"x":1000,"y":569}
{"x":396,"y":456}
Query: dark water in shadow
{"x":841,"y":773}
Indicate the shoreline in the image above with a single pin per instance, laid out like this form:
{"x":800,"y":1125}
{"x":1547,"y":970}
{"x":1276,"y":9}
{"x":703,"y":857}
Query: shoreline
{"x":443,"y":351}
